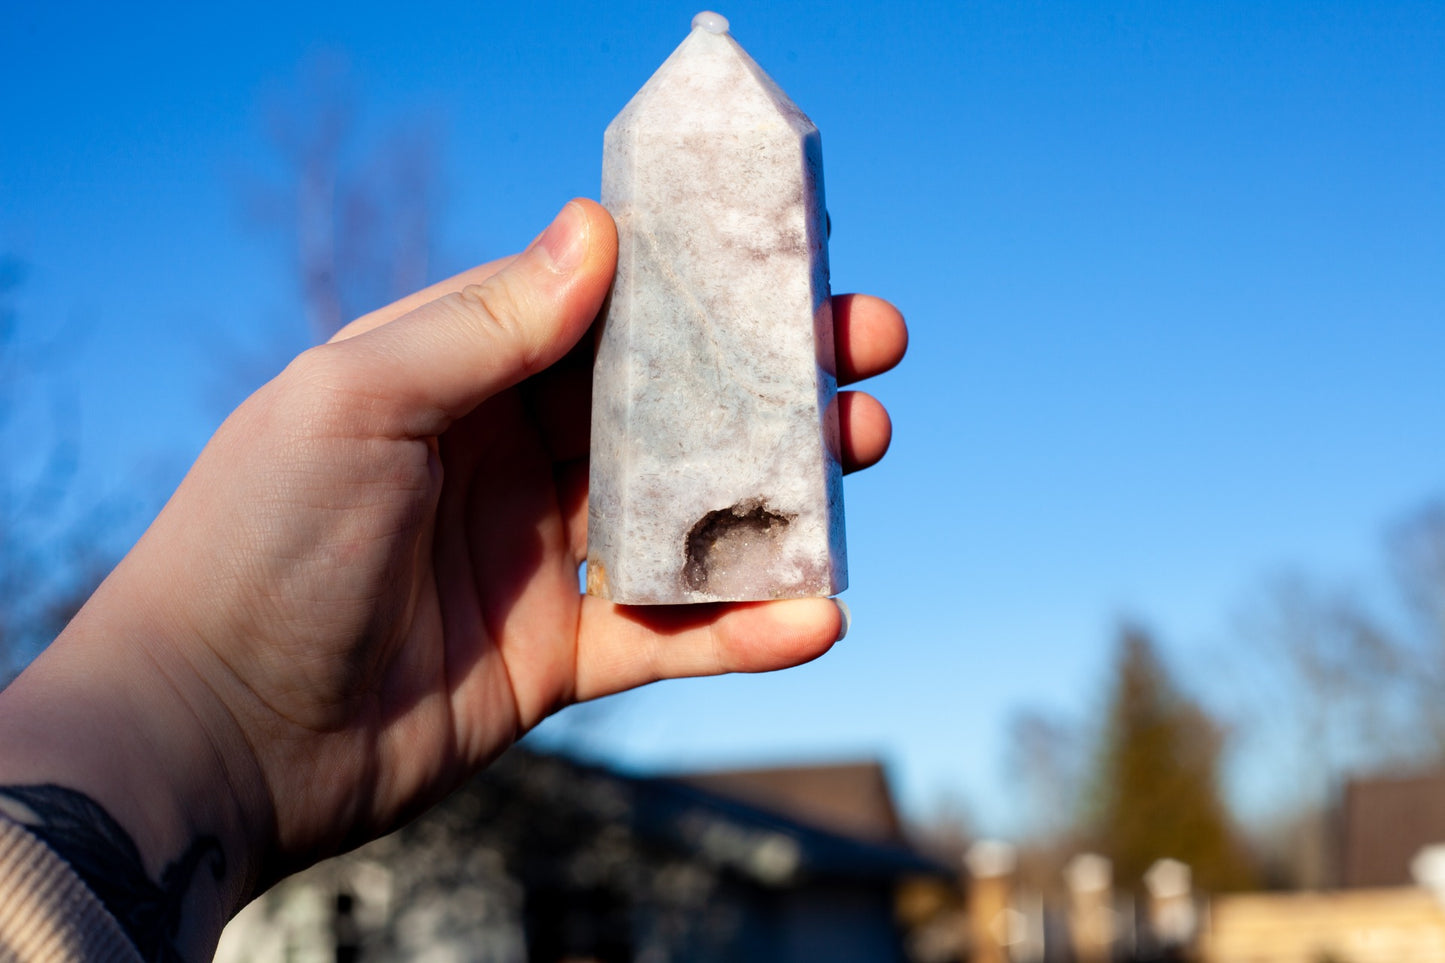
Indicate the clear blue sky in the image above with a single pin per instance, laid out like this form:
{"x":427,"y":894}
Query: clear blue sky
{"x":1175,"y":275}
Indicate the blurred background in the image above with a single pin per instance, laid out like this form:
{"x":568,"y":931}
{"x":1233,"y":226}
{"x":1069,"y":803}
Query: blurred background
{"x":1154,"y":570}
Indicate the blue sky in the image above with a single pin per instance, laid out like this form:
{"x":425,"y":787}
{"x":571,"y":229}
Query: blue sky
{"x":1175,"y":275}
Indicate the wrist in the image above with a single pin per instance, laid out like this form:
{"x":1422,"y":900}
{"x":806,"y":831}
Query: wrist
{"x":109,"y":760}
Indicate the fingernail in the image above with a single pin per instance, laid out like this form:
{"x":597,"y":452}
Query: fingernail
{"x":847,"y":619}
{"x":565,"y":240}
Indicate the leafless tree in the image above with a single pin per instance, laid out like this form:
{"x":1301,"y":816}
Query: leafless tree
{"x":1334,"y":667}
{"x":52,"y":546}
{"x":1416,"y":554}
{"x":1044,"y":765}
{"x":1339,"y":683}
{"x":357,"y":211}
{"x":1044,"y":753}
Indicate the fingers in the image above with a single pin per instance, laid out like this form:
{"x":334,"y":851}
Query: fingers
{"x":620,"y":647}
{"x":869,"y":335}
{"x":435,"y":363}
{"x":865,"y":428}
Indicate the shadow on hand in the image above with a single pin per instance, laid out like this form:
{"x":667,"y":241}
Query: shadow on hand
{"x":677,"y":619}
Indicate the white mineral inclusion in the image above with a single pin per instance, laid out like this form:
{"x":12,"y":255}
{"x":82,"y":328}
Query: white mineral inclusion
{"x":715,"y":473}
{"x":711,"y":22}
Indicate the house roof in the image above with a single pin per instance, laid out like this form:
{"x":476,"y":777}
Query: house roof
{"x":765,"y":844}
{"x":851,"y":798}
{"x":1385,"y":823}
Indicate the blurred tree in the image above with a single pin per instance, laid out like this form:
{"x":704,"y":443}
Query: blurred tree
{"x":1342,"y":683}
{"x":1044,"y":752}
{"x":1415,"y":550}
{"x":1318,"y":673}
{"x":1044,"y":762}
{"x":351,"y":205}
{"x":357,"y":207}
{"x":52,"y":550}
{"x":1154,"y":789}
{"x":1325,"y":647}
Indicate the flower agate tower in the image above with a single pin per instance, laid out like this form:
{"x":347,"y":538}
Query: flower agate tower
{"x":715,"y":473}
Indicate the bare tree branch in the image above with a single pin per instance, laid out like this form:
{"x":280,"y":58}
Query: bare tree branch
{"x":358,"y":211}
{"x":51,"y":556}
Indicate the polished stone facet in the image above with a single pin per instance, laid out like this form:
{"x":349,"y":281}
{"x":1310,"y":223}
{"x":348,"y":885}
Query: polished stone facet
{"x":715,"y":473}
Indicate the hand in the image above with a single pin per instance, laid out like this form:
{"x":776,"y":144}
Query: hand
{"x":366,"y":587}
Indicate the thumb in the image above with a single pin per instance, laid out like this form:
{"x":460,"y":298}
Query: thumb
{"x":439,"y":361}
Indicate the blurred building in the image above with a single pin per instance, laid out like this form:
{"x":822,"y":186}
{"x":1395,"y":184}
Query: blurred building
{"x":852,"y":799}
{"x":543,"y":859}
{"x":1385,"y":823}
{"x":1390,"y":907}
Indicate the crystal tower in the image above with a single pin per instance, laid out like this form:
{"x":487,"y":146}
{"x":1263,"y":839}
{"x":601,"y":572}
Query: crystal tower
{"x":715,"y":469}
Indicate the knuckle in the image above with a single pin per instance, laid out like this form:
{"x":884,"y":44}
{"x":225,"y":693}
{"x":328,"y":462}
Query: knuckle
{"x":320,"y":390}
{"x":498,"y":309}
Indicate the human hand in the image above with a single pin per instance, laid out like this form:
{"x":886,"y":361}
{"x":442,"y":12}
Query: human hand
{"x":367,"y":586}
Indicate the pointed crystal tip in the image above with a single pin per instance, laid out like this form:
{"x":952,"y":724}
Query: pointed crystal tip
{"x":711,"y":22}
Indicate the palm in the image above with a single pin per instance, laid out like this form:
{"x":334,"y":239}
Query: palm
{"x":510,"y":533}
{"x":489,"y":641}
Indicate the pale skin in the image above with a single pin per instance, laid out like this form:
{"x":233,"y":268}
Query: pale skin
{"x":366,"y":587}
